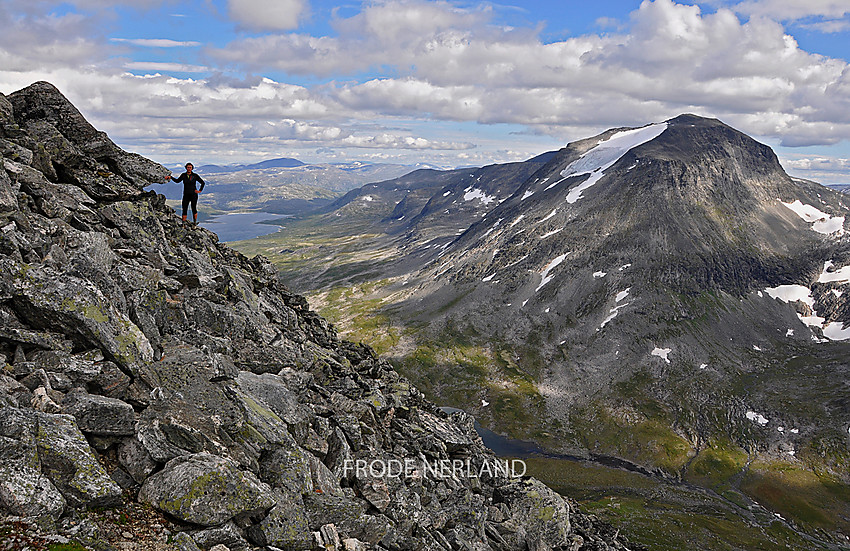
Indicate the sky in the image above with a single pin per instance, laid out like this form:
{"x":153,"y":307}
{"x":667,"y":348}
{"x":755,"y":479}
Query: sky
{"x":449,"y":83}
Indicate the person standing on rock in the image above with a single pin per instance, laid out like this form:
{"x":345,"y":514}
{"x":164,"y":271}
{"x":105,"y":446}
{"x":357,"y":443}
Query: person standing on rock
{"x":190,"y":190}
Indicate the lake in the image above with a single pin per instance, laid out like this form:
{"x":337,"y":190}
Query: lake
{"x":238,"y":226}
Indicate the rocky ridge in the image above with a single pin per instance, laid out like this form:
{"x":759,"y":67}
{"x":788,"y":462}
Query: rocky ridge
{"x":146,"y":364}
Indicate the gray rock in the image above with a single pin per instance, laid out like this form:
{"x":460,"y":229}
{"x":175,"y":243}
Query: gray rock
{"x":228,"y":536}
{"x":285,"y":527}
{"x":100,"y":415}
{"x":70,"y":303}
{"x":8,"y":198}
{"x":13,"y":393}
{"x":184,"y":542}
{"x":324,"y":480}
{"x":542,"y":513}
{"x":24,"y":490}
{"x":53,"y":447}
{"x":133,"y":456}
{"x":42,"y":401}
{"x":207,"y":490}
{"x":68,"y":460}
{"x":288,"y":469}
{"x":348,"y":515}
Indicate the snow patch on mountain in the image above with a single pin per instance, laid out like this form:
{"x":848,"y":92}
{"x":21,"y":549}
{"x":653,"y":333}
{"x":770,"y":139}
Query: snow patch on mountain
{"x":757,"y":418}
{"x":548,"y":216}
{"x":841,"y":275}
{"x":821,"y":221}
{"x":607,"y":152}
{"x":662,"y":353}
{"x":792,"y":293}
{"x":472,"y":193}
{"x":544,"y":275}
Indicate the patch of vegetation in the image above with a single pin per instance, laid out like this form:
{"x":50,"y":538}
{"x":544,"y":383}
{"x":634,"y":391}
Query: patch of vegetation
{"x":630,"y":434}
{"x":70,"y":546}
{"x":716,"y":464}
{"x":799,"y":494}
{"x":660,"y":515}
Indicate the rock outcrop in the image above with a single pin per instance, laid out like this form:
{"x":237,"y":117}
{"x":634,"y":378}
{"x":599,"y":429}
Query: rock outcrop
{"x":144,"y":362}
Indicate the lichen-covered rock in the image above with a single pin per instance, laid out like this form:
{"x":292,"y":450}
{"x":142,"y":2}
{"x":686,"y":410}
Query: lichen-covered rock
{"x":135,"y":459}
{"x":24,"y":490}
{"x":227,"y":536}
{"x":285,"y":527}
{"x":348,"y":515}
{"x":206,"y":489}
{"x":543,"y":514}
{"x":68,"y":460}
{"x":69,"y":303}
{"x":8,"y":200}
{"x":100,"y":415}
{"x":49,"y":463}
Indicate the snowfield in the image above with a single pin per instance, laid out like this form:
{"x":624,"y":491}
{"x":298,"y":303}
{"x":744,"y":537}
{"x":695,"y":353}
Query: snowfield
{"x":474,"y":193}
{"x":607,"y":152}
{"x":821,"y":221}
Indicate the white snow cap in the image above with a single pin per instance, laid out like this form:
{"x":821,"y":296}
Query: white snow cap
{"x":607,"y":152}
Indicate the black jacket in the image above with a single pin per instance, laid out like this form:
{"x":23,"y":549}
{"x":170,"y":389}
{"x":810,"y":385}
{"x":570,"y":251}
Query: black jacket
{"x":189,"y":183}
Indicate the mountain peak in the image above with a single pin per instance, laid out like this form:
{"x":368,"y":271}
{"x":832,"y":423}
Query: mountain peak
{"x":42,"y":117}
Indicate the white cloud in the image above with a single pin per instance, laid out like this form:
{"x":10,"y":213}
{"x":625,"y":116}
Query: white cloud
{"x":30,"y":41}
{"x":793,"y":9}
{"x":456,"y":65}
{"x":264,"y":15}
{"x":822,"y":169}
{"x":156,"y":42}
{"x":165,"y":66}
{"x":432,"y":61}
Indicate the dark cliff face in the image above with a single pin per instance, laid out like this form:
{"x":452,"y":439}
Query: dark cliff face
{"x":146,"y":361}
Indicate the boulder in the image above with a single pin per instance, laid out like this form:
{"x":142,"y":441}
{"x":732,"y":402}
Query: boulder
{"x":24,"y":490}
{"x":285,"y":527}
{"x":206,"y":489}
{"x":47,"y":458}
{"x":69,"y":462}
{"x":348,"y":515}
{"x":542,"y":513}
{"x":68,"y":303}
{"x":100,"y":415}
{"x":135,"y":459}
{"x":8,"y":198}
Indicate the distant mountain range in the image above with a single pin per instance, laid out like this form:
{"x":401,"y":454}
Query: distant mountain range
{"x":665,"y":295}
{"x":283,"y":162}
{"x":284,"y":186}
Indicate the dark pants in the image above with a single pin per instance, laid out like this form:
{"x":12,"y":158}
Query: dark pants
{"x":193,"y":200}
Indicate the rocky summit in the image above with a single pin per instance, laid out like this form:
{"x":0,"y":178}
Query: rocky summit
{"x":152,"y":373}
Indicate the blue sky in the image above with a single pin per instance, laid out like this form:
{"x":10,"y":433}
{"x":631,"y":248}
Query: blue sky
{"x":450,"y":83}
